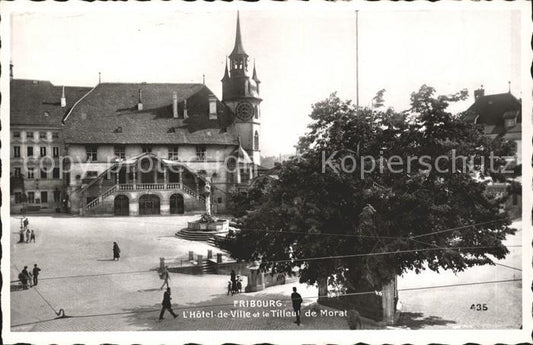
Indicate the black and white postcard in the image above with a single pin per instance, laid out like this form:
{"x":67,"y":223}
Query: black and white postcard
{"x":285,"y":173}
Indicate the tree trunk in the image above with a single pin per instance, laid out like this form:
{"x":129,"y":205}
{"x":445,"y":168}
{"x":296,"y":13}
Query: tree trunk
{"x":322,"y":288}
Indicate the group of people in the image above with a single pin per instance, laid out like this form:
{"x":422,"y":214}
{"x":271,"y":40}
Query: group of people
{"x":235,"y":284}
{"x":29,"y":279}
{"x":26,"y":235}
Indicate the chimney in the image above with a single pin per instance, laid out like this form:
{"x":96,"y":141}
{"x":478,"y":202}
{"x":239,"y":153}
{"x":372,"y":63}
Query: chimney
{"x":479,"y":93}
{"x":175,"y":104}
{"x":140,"y":103}
{"x":10,"y":71}
{"x":212,"y":107}
{"x":63,"y":99}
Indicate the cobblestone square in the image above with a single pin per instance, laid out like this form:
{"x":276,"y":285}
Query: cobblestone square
{"x":79,"y":276}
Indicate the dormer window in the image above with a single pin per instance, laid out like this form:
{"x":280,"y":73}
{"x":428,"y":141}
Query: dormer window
{"x":212,"y":107}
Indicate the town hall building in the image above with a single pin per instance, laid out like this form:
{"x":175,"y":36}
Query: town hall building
{"x":133,"y":149}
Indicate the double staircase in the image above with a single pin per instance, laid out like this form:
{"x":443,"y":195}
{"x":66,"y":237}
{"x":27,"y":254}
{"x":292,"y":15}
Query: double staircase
{"x":143,"y":187}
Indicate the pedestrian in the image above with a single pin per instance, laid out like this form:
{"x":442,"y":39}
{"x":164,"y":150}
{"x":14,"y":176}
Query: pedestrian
{"x":23,"y":280}
{"x":233,"y":282}
{"x":25,"y":222}
{"x":166,"y":305}
{"x":30,"y":278}
{"x":21,"y":235}
{"x":239,"y":284}
{"x":28,"y":232}
{"x":36,"y":271}
{"x":32,"y":236}
{"x":296,"y":304}
{"x":27,"y":280}
{"x":116,"y":251}
{"x":166,"y":276}
{"x":229,"y":287}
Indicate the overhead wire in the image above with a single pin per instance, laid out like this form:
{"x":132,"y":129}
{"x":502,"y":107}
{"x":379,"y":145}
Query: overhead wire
{"x":183,"y":308}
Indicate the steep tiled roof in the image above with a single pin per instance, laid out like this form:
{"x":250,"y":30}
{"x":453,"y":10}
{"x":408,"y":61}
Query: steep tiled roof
{"x":38,"y":103}
{"x":492,"y":110}
{"x":109,"y":115}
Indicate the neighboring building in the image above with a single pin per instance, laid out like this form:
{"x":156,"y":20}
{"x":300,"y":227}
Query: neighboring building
{"x":37,"y":108}
{"x":501,"y":117}
{"x":140,"y":149}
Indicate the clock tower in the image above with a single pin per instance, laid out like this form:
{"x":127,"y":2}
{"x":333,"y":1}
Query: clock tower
{"x":240,"y":91}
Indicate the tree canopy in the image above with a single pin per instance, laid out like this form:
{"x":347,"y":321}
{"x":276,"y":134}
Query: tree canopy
{"x":342,"y":196}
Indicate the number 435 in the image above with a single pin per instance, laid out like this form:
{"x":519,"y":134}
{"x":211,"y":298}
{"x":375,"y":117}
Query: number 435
{"x":479,"y":307}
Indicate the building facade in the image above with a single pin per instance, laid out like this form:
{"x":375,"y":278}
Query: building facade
{"x":36,"y":144}
{"x":501,"y":117}
{"x":141,"y":149}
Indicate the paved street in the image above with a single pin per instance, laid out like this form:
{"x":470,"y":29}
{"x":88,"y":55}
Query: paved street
{"x":450,"y":307}
{"x":79,"y":276}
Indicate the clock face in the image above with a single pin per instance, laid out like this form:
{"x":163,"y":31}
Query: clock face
{"x":244,"y":111}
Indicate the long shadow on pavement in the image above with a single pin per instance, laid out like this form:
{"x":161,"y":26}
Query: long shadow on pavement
{"x":417,"y":321}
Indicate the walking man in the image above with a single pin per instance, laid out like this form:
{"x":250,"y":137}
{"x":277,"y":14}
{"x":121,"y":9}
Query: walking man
{"x":233,"y":282}
{"x":166,"y":305}
{"x":296,"y":304}
{"x":36,"y":271}
{"x":32,"y":236}
{"x":28,"y":232}
{"x":25,"y":222}
{"x":116,"y":251}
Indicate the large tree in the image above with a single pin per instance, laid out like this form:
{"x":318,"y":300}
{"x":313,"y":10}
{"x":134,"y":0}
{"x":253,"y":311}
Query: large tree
{"x":342,"y":197}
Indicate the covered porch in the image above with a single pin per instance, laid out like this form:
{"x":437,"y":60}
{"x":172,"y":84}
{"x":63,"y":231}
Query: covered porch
{"x":145,"y":185}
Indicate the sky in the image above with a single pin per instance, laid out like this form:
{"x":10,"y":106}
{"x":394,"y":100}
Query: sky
{"x":302,"y":56}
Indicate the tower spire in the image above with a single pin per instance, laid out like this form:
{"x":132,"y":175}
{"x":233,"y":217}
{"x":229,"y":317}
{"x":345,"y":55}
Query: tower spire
{"x":226,"y":73}
{"x":254,"y":75}
{"x":238,"y":48}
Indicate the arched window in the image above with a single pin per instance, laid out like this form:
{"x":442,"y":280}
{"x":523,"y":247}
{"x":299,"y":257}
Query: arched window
{"x":256,"y":141}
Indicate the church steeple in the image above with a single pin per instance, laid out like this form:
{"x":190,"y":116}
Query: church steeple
{"x":240,"y":92}
{"x":238,"y":49}
{"x":238,"y":57}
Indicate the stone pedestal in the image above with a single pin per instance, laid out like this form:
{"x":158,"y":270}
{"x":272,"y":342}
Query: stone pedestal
{"x":256,"y":281}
